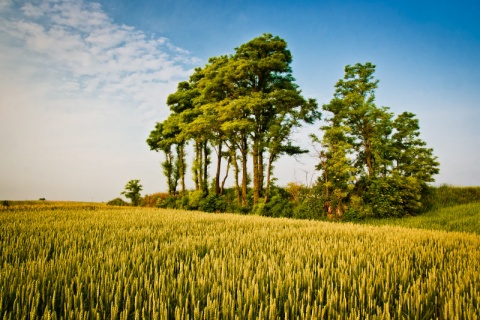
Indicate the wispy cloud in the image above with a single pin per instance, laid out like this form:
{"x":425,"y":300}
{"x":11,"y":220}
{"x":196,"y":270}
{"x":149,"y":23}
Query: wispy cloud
{"x":100,"y":57}
{"x":79,"y":94}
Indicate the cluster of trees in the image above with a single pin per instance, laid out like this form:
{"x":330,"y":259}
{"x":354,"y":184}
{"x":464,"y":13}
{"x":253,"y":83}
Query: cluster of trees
{"x":371,"y":162}
{"x":245,"y":107}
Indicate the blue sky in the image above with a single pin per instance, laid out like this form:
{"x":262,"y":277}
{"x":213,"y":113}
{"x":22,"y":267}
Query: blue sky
{"x":82,"y":83}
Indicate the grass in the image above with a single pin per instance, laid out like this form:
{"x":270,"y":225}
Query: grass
{"x":461,"y":218}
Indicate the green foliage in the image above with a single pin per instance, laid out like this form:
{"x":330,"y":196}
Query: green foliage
{"x":213,"y":203}
{"x":393,"y":196}
{"x":458,"y":218}
{"x":278,"y":205}
{"x":132,"y":191}
{"x":370,"y":163}
{"x":307,"y":201}
{"x":117,"y":202}
{"x":195,"y":199}
{"x":151,"y":200}
{"x":170,"y":202}
{"x":247,"y":102}
{"x":5,"y":203}
{"x":447,"y":196}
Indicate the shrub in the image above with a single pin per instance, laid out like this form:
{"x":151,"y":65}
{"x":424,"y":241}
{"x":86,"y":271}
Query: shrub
{"x":279,"y":204}
{"x":170,"y":202}
{"x":151,"y":200}
{"x":310,"y":204}
{"x":194,"y":199}
{"x":117,"y":202}
{"x":393,"y":196}
{"x":209,"y":204}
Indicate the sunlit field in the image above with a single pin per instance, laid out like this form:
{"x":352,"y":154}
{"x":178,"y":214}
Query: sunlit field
{"x":462,"y":218}
{"x":96,"y":262}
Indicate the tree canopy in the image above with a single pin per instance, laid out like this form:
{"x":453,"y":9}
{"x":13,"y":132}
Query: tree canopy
{"x":132,"y":191}
{"x":368,"y":156}
{"x":243,"y":108}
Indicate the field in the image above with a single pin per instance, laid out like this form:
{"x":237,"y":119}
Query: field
{"x":95,"y":262}
{"x":463,"y":218}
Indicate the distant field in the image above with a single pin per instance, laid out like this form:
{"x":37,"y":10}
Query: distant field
{"x":88,"y":261}
{"x":462,"y":218}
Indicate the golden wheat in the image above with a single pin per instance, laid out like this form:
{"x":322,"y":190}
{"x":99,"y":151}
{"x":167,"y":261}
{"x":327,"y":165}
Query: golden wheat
{"x":127,"y":263}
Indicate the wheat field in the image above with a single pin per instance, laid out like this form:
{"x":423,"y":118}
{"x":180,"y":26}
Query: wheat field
{"x":94,"y":262}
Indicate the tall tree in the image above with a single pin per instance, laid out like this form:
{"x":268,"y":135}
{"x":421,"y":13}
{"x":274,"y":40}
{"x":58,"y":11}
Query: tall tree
{"x":213,"y":92}
{"x":411,"y":157}
{"x":247,"y":103}
{"x":368,"y":154}
{"x":269,"y":97}
{"x":181,"y":104}
{"x":353,"y":106}
{"x":162,"y":138}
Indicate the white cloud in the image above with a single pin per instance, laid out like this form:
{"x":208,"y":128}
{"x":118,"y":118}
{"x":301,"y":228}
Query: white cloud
{"x":78,"y":38}
{"x":30,"y":10}
{"x":79,"y":94}
{"x":4,"y":4}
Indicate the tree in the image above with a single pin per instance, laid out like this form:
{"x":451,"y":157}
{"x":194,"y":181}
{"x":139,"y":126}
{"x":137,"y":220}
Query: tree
{"x":353,"y":107}
{"x":338,"y":172}
{"x":367,"y":155}
{"x":244,"y":106}
{"x":132,"y":191}
{"x":258,"y":105}
{"x":162,"y":138}
{"x":410,"y":155}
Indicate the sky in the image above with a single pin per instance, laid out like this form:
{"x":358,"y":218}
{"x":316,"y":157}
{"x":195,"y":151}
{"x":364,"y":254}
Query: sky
{"x":82,"y":83}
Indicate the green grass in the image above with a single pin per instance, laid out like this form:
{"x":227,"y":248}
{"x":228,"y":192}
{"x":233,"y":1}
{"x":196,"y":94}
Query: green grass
{"x":461,"y":218}
{"x":449,"y":196}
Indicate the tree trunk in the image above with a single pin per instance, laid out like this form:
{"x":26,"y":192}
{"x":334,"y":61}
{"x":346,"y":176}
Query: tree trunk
{"x":196,"y":166}
{"x":205,"y":167}
{"x":261,"y":172}
{"x":182,"y":165}
{"x":167,"y":167}
{"x":368,"y":158}
{"x":256,"y":169}
{"x":269,"y":172}
{"x":226,"y":176}
{"x":219,"y":164}
{"x":244,"y":150}
{"x":236,"y":172}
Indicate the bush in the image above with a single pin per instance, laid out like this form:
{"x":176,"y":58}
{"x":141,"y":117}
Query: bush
{"x":310,"y":204}
{"x":151,"y":200}
{"x":194,"y":199}
{"x":169,"y":202}
{"x":278,"y":205}
{"x":208,"y":204}
{"x":393,"y":196}
{"x":117,"y":202}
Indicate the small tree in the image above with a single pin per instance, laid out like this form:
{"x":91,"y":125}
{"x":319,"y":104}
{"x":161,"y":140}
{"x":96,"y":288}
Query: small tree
{"x":132,"y":191}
